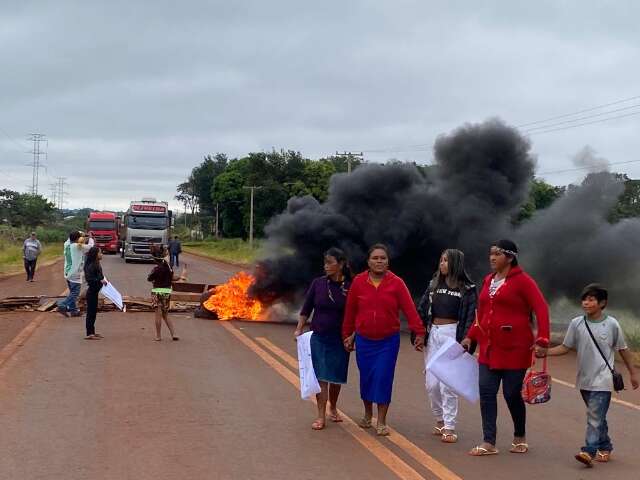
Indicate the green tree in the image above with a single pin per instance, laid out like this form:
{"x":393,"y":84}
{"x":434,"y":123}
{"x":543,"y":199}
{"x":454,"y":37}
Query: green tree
{"x":316,"y":178}
{"x":25,"y":210}
{"x":628,"y":205}
{"x":541,"y":195}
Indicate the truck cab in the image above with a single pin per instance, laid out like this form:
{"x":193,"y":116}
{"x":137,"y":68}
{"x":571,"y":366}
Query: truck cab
{"x":104,"y":227}
{"x":147,"y":222}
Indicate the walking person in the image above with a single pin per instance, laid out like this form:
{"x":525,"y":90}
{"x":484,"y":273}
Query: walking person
{"x":31,"y":250}
{"x":162,"y":277}
{"x":447,"y":309}
{"x":95,"y":280}
{"x":175,"y":249}
{"x":326,"y":300}
{"x":372,"y":325}
{"x":504,"y":333}
{"x":596,"y":337}
{"x":75,"y":249}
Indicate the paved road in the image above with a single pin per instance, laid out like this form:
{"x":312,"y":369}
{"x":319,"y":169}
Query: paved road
{"x":222,"y":403}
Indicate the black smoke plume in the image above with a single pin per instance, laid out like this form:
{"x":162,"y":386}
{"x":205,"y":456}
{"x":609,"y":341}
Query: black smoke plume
{"x":467,"y":200}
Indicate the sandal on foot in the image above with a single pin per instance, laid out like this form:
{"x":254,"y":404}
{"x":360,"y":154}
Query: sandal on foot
{"x":383,"y":431}
{"x":157,"y":339}
{"x":437,"y":431}
{"x":318,"y":425}
{"x":91,"y":337}
{"x":449,"y":437}
{"x":97,"y":335}
{"x":175,"y":339}
{"x":585,"y":459}
{"x":364,"y":422}
{"x":519,"y":448}
{"x":335,"y":417}
{"x":602,"y":456}
{"x":479,"y":451}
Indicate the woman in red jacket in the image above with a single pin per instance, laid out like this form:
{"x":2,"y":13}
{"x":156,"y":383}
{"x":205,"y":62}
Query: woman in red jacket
{"x":504,"y":333}
{"x":372,"y":322}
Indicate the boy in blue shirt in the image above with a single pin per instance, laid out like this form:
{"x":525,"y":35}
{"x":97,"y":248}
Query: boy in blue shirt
{"x":594,"y":378}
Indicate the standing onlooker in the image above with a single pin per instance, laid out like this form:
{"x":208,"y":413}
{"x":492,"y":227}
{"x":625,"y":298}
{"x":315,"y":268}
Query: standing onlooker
{"x":74,"y":252}
{"x":447,"y":309}
{"x":175,"y":249}
{"x":372,"y":323}
{"x":31,"y":249}
{"x":162,"y":277}
{"x":95,"y":279}
{"x":326,"y":299}
{"x":504,"y":334}
{"x":595,"y":361}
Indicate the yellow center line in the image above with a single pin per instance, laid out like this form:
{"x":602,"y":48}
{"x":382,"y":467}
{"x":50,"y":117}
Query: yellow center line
{"x":394,"y":463}
{"x":614,"y":400}
{"x":397,"y":438}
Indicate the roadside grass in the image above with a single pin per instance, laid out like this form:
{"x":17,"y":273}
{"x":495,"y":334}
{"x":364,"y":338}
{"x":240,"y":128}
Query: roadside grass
{"x":233,"y":250}
{"x":11,"y":255}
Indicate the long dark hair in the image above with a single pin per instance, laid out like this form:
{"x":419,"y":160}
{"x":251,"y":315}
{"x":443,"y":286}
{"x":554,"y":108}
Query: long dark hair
{"x":92,"y":256}
{"x":457,"y":275}
{"x":340,"y":256}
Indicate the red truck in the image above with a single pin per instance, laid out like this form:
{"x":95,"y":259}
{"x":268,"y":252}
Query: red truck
{"x":105,"y":227}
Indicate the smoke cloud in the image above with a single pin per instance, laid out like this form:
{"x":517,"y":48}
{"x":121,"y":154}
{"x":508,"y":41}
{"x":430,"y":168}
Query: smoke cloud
{"x":587,"y":158}
{"x":467,"y":200}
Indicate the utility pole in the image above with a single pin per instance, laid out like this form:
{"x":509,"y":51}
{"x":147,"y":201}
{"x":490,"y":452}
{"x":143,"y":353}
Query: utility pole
{"x":61,"y":191}
{"x":36,"y":138}
{"x":217,"y":218}
{"x":350,"y":156}
{"x":252,"y":188}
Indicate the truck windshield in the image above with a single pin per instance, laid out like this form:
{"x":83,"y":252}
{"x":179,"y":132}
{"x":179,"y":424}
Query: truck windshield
{"x":102,"y":225}
{"x":147,"y":222}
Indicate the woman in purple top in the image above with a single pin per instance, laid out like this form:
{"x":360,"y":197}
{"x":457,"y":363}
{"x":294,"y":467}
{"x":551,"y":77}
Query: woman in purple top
{"x":326,"y":298}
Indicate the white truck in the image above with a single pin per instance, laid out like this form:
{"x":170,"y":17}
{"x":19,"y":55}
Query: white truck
{"x":146,"y":222}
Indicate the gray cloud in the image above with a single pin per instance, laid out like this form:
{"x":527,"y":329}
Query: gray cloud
{"x":122,"y":88}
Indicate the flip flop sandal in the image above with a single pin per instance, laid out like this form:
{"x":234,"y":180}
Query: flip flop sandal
{"x":97,"y":335}
{"x":91,"y":337}
{"x":318,"y":425}
{"x":335,"y":418}
{"x":437,"y":431}
{"x":449,"y":438}
{"x":585,"y":458}
{"x":519,"y":448}
{"x":383,"y":431}
{"x":157,"y":339}
{"x":479,"y":451}
{"x":602,"y":456}
{"x":175,"y":339}
{"x":364,"y":422}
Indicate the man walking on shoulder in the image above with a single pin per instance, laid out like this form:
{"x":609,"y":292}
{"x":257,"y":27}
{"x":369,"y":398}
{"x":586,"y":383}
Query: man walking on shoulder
{"x":175,"y":249}
{"x":74,"y":252}
{"x":31,"y":249}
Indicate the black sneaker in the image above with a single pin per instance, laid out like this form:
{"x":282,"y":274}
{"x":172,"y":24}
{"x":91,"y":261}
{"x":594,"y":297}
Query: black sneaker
{"x":63,"y":312}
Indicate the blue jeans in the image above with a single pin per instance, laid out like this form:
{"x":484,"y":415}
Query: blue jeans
{"x":69,"y":303}
{"x":597,"y":429}
{"x":173,"y":260}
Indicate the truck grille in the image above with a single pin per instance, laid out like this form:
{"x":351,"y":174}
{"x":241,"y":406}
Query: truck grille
{"x":147,"y":239}
{"x":103,"y":238}
{"x":144,"y":249}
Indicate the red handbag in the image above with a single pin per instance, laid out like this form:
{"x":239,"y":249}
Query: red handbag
{"x":536,"y":387}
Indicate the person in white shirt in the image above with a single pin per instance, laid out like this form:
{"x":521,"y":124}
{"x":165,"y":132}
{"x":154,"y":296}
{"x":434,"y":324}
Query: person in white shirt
{"x":75,"y":249}
{"x":31,"y":249}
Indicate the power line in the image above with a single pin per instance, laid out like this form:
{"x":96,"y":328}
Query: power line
{"x":22,"y":148}
{"x":543,"y":127}
{"x":586,"y":123}
{"x":585,"y":168}
{"x":578,"y":112}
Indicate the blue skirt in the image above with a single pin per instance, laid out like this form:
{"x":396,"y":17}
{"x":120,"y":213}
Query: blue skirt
{"x":377,"y":364}
{"x":330,"y":359}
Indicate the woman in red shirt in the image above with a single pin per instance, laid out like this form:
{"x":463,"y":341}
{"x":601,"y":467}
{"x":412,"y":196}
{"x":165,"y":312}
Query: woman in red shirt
{"x":372,"y":323}
{"x":503,"y":331}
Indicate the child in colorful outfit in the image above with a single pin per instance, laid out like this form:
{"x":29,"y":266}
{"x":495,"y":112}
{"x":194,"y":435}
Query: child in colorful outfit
{"x":594,"y":379}
{"x":162,"y":277}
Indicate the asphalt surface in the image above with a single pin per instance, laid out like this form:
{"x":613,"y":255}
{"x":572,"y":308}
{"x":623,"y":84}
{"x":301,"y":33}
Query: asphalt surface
{"x":223,"y":403}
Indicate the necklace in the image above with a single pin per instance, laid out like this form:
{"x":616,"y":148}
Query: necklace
{"x":342,"y":289}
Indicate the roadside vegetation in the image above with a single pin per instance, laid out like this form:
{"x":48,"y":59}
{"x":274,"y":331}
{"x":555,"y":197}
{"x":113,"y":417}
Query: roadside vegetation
{"x":233,"y":250}
{"x":11,"y":255}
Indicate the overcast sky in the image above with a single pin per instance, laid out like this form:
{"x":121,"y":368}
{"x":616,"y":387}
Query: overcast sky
{"x":132,"y":94}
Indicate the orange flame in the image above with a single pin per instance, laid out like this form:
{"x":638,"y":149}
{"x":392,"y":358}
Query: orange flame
{"x":231,"y":300}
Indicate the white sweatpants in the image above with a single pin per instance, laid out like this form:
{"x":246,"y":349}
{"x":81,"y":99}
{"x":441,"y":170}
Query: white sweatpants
{"x":444,"y":403}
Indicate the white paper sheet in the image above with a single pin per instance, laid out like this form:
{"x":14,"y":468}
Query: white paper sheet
{"x":456,"y":369}
{"x":110,"y":292}
{"x":309,"y":385}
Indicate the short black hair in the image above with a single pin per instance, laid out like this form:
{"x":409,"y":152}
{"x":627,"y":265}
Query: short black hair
{"x":74,"y":236}
{"x":595,"y":290}
{"x":378,"y":246}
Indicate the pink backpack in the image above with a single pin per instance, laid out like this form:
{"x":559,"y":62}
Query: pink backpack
{"x":536,"y":387}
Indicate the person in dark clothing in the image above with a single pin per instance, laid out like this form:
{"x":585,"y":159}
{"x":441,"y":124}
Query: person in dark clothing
{"x":447,"y":309}
{"x":326,"y":299}
{"x":95,"y":280}
{"x":162,"y":278}
{"x":175,"y":249}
